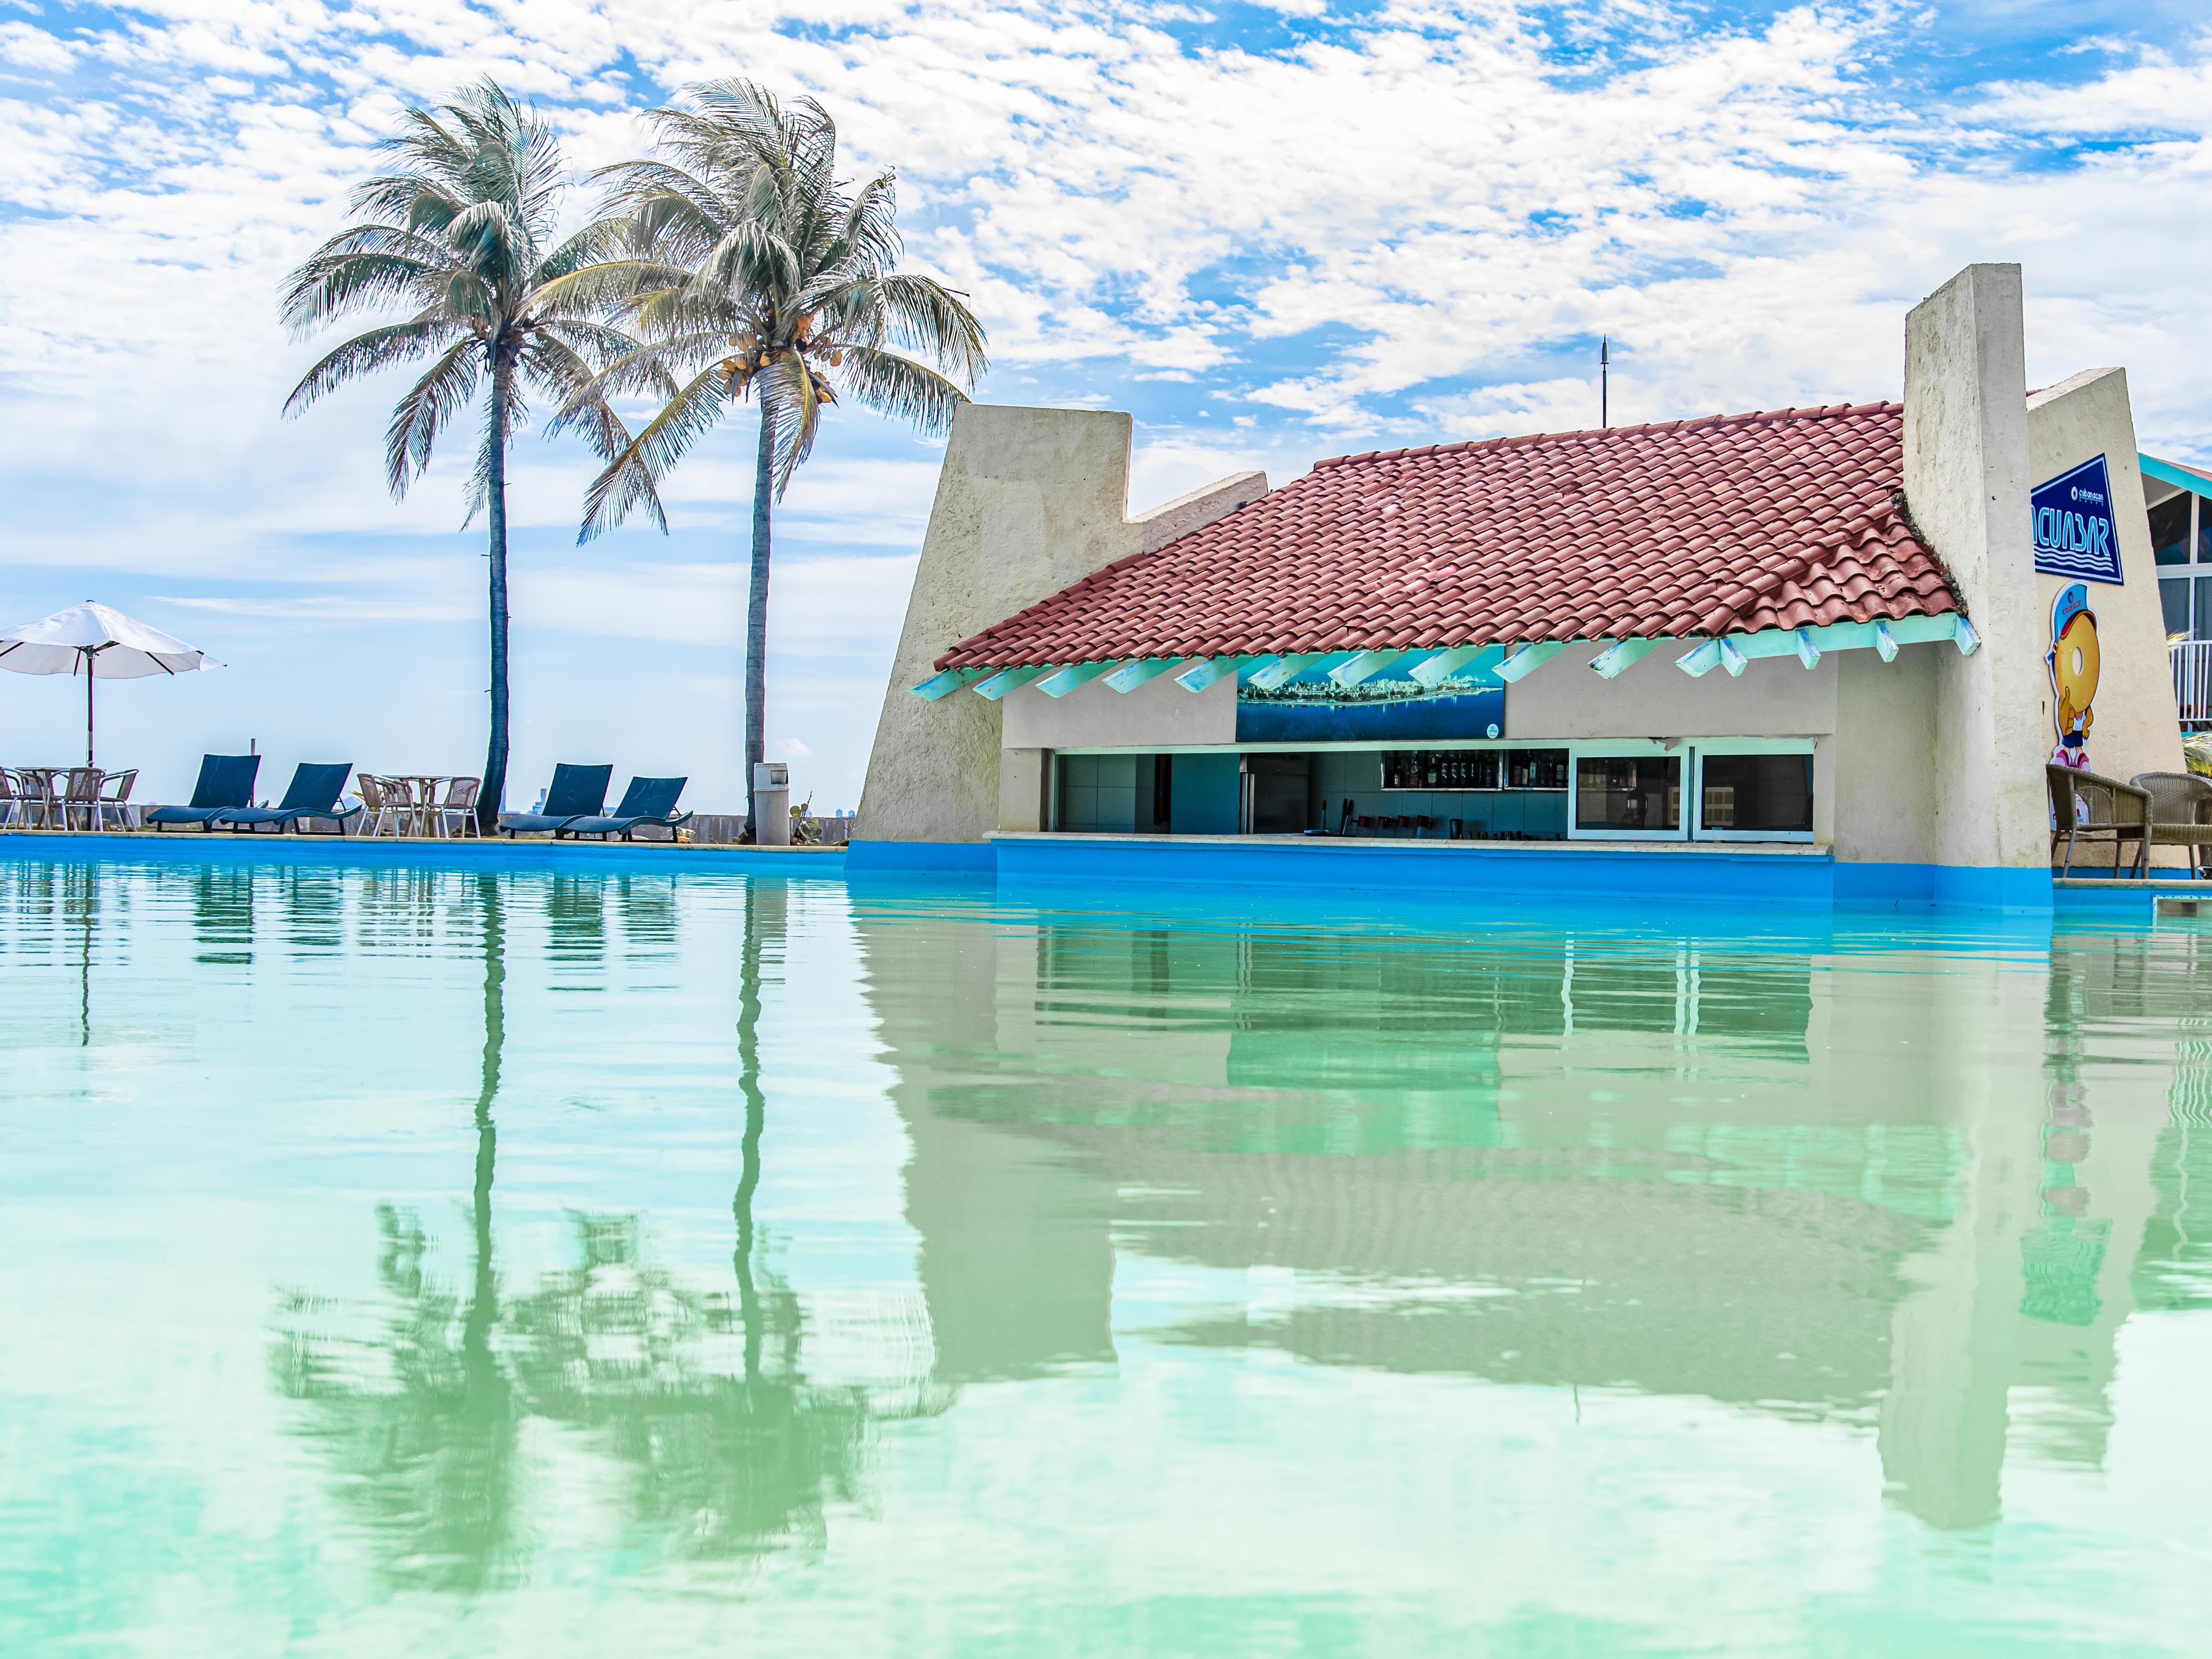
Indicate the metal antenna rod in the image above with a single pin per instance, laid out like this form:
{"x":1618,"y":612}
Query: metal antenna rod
{"x":1604,"y":372}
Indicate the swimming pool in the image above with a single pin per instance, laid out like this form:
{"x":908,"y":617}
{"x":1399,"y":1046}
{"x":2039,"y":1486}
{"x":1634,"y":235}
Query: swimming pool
{"x":571,"y":1260}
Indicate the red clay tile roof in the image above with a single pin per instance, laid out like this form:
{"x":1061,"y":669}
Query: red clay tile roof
{"x":1728,"y":524}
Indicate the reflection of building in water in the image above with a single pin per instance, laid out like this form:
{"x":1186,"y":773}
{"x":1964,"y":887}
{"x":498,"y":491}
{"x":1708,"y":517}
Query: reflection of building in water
{"x":1798,"y":1181}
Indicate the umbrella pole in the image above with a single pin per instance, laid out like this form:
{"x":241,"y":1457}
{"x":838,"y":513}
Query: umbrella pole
{"x":87,"y":708}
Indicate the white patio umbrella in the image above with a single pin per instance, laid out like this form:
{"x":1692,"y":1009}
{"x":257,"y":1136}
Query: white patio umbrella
{"x":99,"y":643}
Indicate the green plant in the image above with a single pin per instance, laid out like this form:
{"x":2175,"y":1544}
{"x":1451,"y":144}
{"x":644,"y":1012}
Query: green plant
{"x":459,"y":236}
{"x":758,"y":273}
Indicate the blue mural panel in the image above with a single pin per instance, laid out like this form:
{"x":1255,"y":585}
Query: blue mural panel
{"x":1312,"y":708}
{"x":1455,"y":713}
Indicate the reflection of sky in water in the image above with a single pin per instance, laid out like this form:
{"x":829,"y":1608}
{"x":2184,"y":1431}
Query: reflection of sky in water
{"x":388,"y":1266}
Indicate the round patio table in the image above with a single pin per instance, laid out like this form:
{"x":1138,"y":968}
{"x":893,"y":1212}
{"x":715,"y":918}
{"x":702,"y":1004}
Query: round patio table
{"x":424,"y":786}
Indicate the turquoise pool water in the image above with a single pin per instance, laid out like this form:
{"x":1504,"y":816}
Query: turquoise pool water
{"x":560,"y":1261}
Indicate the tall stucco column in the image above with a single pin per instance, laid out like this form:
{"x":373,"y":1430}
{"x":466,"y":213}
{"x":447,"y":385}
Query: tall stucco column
{"x":1966,"y":481}
{"x":1028,"y":502}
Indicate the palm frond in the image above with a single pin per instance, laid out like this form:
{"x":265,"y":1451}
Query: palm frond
{"x":789,"y":401}
{"x":564,"y":373}
{"x":653,"y":368}
{"x":752,"y":257}
{"x":364,"y":354}
{"x":326,"y":288}
{"x":602,"y":287}
{"x":900,"y":387}
{"x":925,"y":315}
{"x":869,"y":235}
{"x":421,"y":415}
{"x":632,"y":478}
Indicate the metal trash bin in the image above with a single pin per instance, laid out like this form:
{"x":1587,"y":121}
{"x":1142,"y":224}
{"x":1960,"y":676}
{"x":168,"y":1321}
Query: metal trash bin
{"x":771,"y":804}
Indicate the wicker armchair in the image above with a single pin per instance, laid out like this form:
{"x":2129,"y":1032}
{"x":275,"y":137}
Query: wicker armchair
{"x":2108,"y":811}
{"x":2180,"y":811}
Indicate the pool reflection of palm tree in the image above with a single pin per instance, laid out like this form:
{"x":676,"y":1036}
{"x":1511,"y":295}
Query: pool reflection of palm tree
{"x":732,"y":1452}
{"x":430,"y":1462}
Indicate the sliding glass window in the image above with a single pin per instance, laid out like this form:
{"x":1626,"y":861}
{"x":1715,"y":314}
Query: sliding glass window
{"x":1755,"y":796}
{"x":1628,"y":796}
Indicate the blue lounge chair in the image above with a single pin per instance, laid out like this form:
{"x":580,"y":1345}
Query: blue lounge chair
{"x":647,"y":801}
{"x":576,"y":791}
{"x":313,"y":794}
{"x":225,"y":785}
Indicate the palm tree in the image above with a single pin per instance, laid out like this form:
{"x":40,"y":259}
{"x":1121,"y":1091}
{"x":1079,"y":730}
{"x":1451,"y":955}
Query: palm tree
{"x":756,"y":271}
{"x":459,"y":234}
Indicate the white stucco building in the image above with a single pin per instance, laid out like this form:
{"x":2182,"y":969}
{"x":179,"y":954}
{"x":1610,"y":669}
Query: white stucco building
{"x":1802,"y":654}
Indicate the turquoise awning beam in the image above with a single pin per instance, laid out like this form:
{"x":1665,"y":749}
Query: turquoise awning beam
{"x":1445,"y":664}
{"x":2180,"y":477}
{"x":1011,"y":679}
{"x":1525,"y":659}
{"x":1880,"y":637}
{"x":1131,"y":675}
{"x":1211,"y":670}
{"x":1075,"y":674}
{"x":1365,"y":666}
{"x":1277,"y":672}
{"x":1616,"y":657}
{"x":945,"y":684}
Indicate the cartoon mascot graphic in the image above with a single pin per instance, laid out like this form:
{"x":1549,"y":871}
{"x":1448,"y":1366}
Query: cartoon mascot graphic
{"x":2074,"y":667}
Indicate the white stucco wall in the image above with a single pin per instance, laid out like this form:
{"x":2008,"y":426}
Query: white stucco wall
{"x":1884,"y":787}
{"x":1028,"y":502}
{"x":1967,"y":478}
{"x":2135,"y":729}
{"x":1157,"y":715}
{"x":1776,"y":697}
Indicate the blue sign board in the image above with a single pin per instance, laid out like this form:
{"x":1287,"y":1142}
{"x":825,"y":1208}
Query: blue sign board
{"x":2075,"y":535}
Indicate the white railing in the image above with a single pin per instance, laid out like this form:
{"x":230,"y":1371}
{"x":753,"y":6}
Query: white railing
{"x":2192,"y":679}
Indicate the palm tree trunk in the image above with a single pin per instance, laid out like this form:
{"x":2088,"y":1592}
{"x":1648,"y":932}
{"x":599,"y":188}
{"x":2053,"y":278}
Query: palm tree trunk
{"x":495,"y":779}
{"x":748,"y":1085}
{"x":757,"y":619}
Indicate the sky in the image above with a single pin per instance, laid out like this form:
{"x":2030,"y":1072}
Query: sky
{"x":1273,"y":233}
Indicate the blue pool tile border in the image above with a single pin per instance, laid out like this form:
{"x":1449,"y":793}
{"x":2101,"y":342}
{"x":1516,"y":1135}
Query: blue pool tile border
{"x":189,"y":845}
{"x":1518,"y":873}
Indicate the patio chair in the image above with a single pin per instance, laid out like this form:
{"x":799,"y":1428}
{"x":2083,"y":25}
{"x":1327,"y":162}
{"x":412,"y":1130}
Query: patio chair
{"x":373,"y":804}
{"x":646,"y":801}
{"x":575,"y":792}
{"x":315,"y":792}
{"x":80,"y":796}
{"x":38,"y":798}
{"x":2180,"y":812}
{"x":2107,"y":810}
{"x":458,"y":811}
{"x":115,"y":800}
{"x":225,"y":785}
{"x":11,"y":799}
